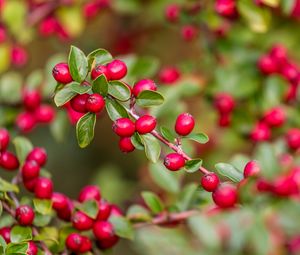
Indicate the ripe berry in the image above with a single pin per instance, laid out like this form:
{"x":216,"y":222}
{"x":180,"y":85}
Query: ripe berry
{"x":116,"y":211}
{"x":251,"y":169}
{"x":30,"y":170}
{"x":224,"y":119}
{"x":290,"y":72}
{"x":142,"y":85}
{"x":43,"y":188}
{"x":59,"y":201}
{"x":210,"y":182}
{"x":185,"y":124}
{"x":145,"y":124}
{"x":95,"y":103}
{"x":5,"y":233}
{"x":169,"y":75}
{"x":293,"y":138}
{"x":78,"y":103}
{"x":275,"y":117}
{"x":124,"y":127}
{"x":279,"y":54}
{"x":285,"y":186}
{"x":25,"y":121}
{"x":74,"y":242}
{"x":66,"y":213}
{"x":261,"y":132}
{"x":104,"y":233}
{"x":226,"y":8}
{"x":81,"y":221}
{"x":267,"y":65}
{"x":61,"y":73}
{"x":263,"y":185}
{"x":86,"y":244}
{"x":19,"y":56}
{"x":104,"y":211}
{"x":126,"y":145}
{"x":32,"y":249}
{"x":225,"y":196}
{"x":30,"y":184}
{"x":24,"y":215}
{"x":3,"y":35}
{"x":89,"y":192}
{"x":90,"y":10}
{"x":4,"y":139}
{"x":44,"y":114}
{"x":174,"y":161}
{"x":189,"y":32}
{"x":172,"y":12}
{"x":116,"y":69}
{"x":31,"y":99}
{"x":39,"y":155}
{"x":48,"y":26}
{"x":224,"y":103}
{"x":9,"y":161}
{"x":99,"y":70}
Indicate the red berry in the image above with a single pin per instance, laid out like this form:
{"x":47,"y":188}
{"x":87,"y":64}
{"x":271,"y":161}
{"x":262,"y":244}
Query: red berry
{"x":74,"y":242}
{"x":88,"y":193}
{"x":95,"y":103}
{"x":267,"y":65}
{"x":189,"y":32}
{"x":44,"y":114}
{"x":90,"y":10}
{"x":43,"y":188}
{"x":5,"y":233}
{"x":185,"y":124}
{"x":104,"y":233}
{"x":251,"y":169}
{"x":104,"y":211}
{"x":78,"y":103}
{"x":99,"y":70}
{"x":290,"y":72}
{"x":4,"y":139}
{"x":226,"y":8}
{"x":172,"y":12}
{"x":263,"y":185}
{"x":31,"y":99}
{"x":293,"y":138}
{"x":225,"y":196}
{"x":32,"y":249}
{"x":116,"y":211}
{"x":126,"y":145}
{"x":285,"y":186}
{"x":86,"y":245}
{"x":59,"y":201}
{"x":169,"y":75}
{"x":9,"y":161}
{"x":261,"y":132}
{"x":48,"y":26}
{"x":116,"y":69}
{"x":81,"y":221}
{"x":224,"y":119}
{"x":19,"y":56}
{"x":108,"y":242}
{"x":25,"y":121}
{"x":66,"y":213}
{"x":61,"y":73}
{"x":275,"y":117}
{"x":30,"y":184}
{"x":145,"y":124}
{"x":30,"y":170}
{"x":24,"y":215}
{"x":39,"y":155}
{"x":210,"y":182}
{"x":224,"y":103}
{"x":278,"y":54}
{"x":174,"y":161}
{"x":3,"y":35}
{"x":124,"y":127}
{"x":142,"y":85}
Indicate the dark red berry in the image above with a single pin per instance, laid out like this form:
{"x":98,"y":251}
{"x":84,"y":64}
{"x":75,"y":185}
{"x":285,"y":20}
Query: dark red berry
{"x":4,"y":139}
{"x":32,"y":249}
{"x":43,"y":188}
{"x":48,"y":26}
{"x":116,"y":69}
{"x":9,"y":161}
{"x":74,"y":242}
{"x":172,"y":12}
{"x":95,"y":103}
{"x":251,"y":169}
{"x":263,"y":185}
{"x":99,"y":70}
{"x":31,"y":99}
{"x":226,"y":8}
{"x":145,"y":124}
{"x":275,"y":117}
{"x":189,"y":32}
{"x":44,"y":114}
{"x":267,"y":65}
{"x":104,"y":211}
{"x":59,"y":201}
{"x":174,"y":161}
{"x":66,"y":213}
{"x":293,"y":138}
{"x":24,"y":215}
{"x":19,"y":56}
{"x":124,"y":127}
{"x":81,"y":221}
{"x":5,"y":233}
{"x":88,"y":193}
{"x":224,"y":119}
{"x":86,"y":244}
{"x":225,"y":196}
{"x":169,"y":75}
{"x":108,"y":242}
{"x":185,"y":124}
{"x":61,"y":73}
{"x":210,"y":182}
{"x":224,"y":103}
{"x":30,"y":170}
{"x":78,"y":103}
{"x":126,"y":145}
{"x":30,"y":184}
{"x":39,"y":155}
{"x":116,"y":211}
{"x":25,"y":121}
{"x":143,"y":85}
{"x":290,"y":72}
{"x":260,"y":132}
{"x":104,"y":233}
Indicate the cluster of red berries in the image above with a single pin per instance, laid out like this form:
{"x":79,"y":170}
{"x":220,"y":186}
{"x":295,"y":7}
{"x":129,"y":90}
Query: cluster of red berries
{"x":224,"y":103}
{"x":169,"y":75}
{"x":35,"y":112}
{"x":226,"y":8}
{"x":8,"y":160}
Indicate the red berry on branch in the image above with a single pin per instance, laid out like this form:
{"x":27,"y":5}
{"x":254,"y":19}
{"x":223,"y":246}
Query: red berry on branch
{"x":88,"y":193}
{"x":252,"y":168}
{"x":81,"y":221}
{"x":3,"y":35}
{"x":9,"y":161}
{"x":225,"y":196}
{"x":169,"y":75}
{"x":99,"y":70}
{"x":30,"y":170}
{"x":267,"y":65}
{"x":275,"y":117}
{"x":185,"y":124}
{"x":30,"y":184}
{"x":290,"y":72}
{"x":124,"y":127}
{"x":78,"y":103}
{"x":90,"y":10}
{"x":260,"y":132}
{"x":5,"y":233}
{"x":224,"y":103}
{"x":25,"y":121}
{"x":59,"y":201}
{"x":285,"y":186}
{"x":189,"y":32}
{"x":74,"y":242}
{"x":172,"y":12}
{"x":210,"y":182}
{"x":66,"y":213}
{"x":4,"y":139}
{"x":25,"y":215}
{"x":43,"y":188}
{"x":44,"y":114}
{"x":104,"y":233}
{"x":126,"y":145}
{"x":174,"y":161}
{"x":32,"y":248}
{"x":116,"y":211}
{"x":145,"y":124}
{"x":278,"y":54}
{"x":48,"y":26}
{"x":86,"y":245}
{"x":19,"y":56}
{"x":104,"y":211}
{"x":31,"y":99}
{"x":116,"y":69}
{"x":39,"y":155}
{"x":143,"y":85}
{"x":61,"y":73}
{"x":95,"y":103}
{"x":226,"y":8}
{"x":224,"y":119}
{"x":293,"y":138}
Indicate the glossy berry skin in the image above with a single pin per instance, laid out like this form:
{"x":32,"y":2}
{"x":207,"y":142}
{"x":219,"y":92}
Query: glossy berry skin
{"x":25,"y":121}
{"x":59,"y":201}
{"x":267,"y":65}
{"x":74,"y":242}
{"x":9,"y":161}
{"x":174,"y":161}
{"x":43,"y":188}
{"x":24,"y":215}
{"x":30,"y":184}
{"x":210,"y":182}
{"x":78,"y":103}
{"x":88,"y":193}
{"x":293,"y":138}
{"x":104,"y":233}
{"x":184,"y":124}
{"x":31,"y":99}
{"x":44,"y":114}
{"x":4,"y":139}
{"x":86,"y":245}
{"x":99,"y":70}
{"x":116,"y":69}
{"x":143,"y":85}
{"x":32,"y":249}
{"x":126,"y":145}
{"x":252,"y":168}
{"x":66,"y":213}
{"x":224,"y":103}
{"x":104,"y":211}
{"x":145,"y":124}
{"x":189,"y":32}
{"x":225,"y":196}
{"x":61,"y":73}
{"x":95,"y":103}
{"x":172,"y":12}
{"x":169,"y":75}
{"x":260,"y":132}
{"x":275,"y":117}
{"x":81,"y":221}
{"x":285,"y":186}
{"x":5,"y":233}
{"x":39,"y":155}
{"x":124,"y":127}
{"x":226,"y":8}
{"x":30,"y":170}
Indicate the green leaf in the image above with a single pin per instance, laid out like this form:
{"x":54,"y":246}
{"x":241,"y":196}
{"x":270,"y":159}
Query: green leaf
{"x":167,"y":134}
{"x":64,"y":95}
{"x":20,"y":234}
{"x":153,"y":202}
{"x":138,"y":213}
{"x":78,"y":64}
{"x":122,"y":227}
{"x":3,"y":244}
{"x":23,"y":147}
{"x":41,"y":220}
{"x":7,"y":186}
{"x":152,"y":147}
{"x":34,"y":80}
{"x":229,"y":171}
{"x":115,"y":110}
{"x":99,"y":56}
{"x":192,"y":165}
{"x":199,"y":138}
{"x":43,"y":206}
{"x":79,"y":88}
{"x":287,"y":6}
{"x":1,"y":209}
{"x":16,"y":249}
{"x":119,"y":90}
{"x":100,"y":85}
{"x":144,"y":67}
{"x":10,"y":87}
{"x":148,"y":98}
{"x":85,"y":129}
{"x":60,"y":126}
{"x":187,"y":196}
{"x":137,"y":141}
{"x":90,"y":208}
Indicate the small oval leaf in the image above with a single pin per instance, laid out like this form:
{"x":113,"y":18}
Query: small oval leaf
{"x":149,"y":98}
{"x":85,"y":129}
